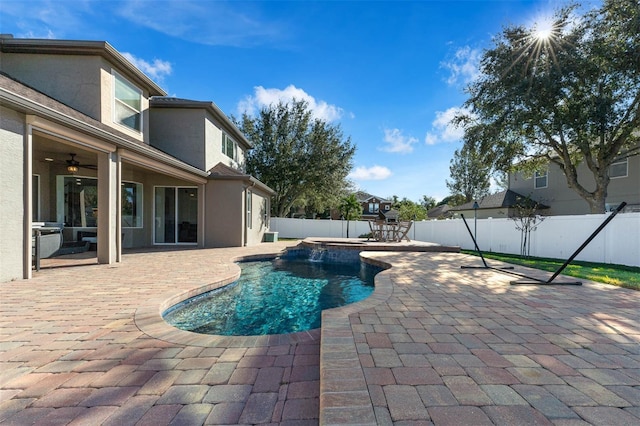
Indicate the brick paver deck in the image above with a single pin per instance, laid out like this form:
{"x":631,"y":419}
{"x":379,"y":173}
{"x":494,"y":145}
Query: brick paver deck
{"x":433,"y":345}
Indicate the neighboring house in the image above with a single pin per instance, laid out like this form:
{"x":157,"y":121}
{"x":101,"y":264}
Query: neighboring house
{"x":550,"y":187}
{"x":90,"y":142}
{"x":442,"y":211}
{"x":372,"y":205}
{"x":499,"y":205}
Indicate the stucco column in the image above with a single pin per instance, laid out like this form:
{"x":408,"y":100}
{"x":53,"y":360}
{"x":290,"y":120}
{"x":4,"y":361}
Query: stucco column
{"x":108,"y":190}
{"x":201,"y":215}
{"x":28,"y":197}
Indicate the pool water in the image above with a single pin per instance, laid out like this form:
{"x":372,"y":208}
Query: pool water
{"x":274,"y":297}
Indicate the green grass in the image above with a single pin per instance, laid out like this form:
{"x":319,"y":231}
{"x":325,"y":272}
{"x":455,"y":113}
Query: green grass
{"x":618,"y":275}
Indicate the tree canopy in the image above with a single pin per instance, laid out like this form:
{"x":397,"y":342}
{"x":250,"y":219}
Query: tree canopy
{"x":469,"y":174}
{"x":567,"y":96}
{"x":305,"y":160}
{"x":409,"y":210}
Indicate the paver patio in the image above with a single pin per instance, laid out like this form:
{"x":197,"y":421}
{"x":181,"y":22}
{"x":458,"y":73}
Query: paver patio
{"x":433,"y":345}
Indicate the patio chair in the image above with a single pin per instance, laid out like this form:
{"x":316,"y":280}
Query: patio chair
{"x":401,"y":231}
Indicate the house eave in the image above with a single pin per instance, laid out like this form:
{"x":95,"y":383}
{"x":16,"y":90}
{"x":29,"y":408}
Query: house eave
{"x":85,"y":48}
{"x":30,"y":107}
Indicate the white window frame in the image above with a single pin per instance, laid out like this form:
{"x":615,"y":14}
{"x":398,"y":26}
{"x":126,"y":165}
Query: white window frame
{"x":540,"y":175}
{"x":115,"y":101}
{"x":226,"y":141}
{"x":140,"y":198}
{"x":249,"y":209}
{"x":624,"y":161}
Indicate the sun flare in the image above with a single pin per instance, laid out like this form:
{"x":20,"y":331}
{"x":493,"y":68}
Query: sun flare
{"x":543,"y":29}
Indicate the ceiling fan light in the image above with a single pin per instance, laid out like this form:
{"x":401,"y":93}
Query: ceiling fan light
{"x":72,"y":168}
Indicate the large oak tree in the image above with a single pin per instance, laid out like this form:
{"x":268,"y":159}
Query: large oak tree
{"x":304,"y":159}
{"x":567,"y":94}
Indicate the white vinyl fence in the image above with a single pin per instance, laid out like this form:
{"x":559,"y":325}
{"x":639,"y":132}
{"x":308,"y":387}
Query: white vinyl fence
{"x":557,"y":237}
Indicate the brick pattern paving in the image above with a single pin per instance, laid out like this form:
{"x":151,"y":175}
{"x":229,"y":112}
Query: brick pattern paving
{"x":433,"y":345}
{"x":71,"y":351}
{"x":446,"y":346}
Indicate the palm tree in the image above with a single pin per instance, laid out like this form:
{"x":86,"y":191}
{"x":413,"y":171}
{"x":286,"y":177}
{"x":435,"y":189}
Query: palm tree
{"x":350,"y":209}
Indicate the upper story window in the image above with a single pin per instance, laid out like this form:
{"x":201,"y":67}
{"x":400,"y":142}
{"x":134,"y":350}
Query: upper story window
{"x":229,"y":147}
{"x":127,"y":108}
{"x":540,"y":179}
{"x":619,"y":168}
{"x":374,"y":207}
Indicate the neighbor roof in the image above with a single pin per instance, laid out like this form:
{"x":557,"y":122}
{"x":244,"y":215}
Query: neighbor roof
{"x":502,"y":199}
{"x":363,"y":196}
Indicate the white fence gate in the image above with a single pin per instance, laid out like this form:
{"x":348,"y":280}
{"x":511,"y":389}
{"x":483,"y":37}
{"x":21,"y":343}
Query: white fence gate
{"x":557,"y":237}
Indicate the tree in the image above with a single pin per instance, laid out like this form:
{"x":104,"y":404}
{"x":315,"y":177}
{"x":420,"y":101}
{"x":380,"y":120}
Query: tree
{"x":408,"y":210}
{"x":350,"y":209}
{"x":428,"y":202}
{"x":526,"y":220}
{"x":303,"y":159}
{"x":470,"y":174}
{"x":567,"y":95}
{"x":453,"y":200}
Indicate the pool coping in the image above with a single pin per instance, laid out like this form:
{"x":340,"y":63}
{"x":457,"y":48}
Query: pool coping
{"x":148,"y":317}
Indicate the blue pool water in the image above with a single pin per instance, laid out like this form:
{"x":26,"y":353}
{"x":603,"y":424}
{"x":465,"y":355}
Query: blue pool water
{"x":274,"y":297}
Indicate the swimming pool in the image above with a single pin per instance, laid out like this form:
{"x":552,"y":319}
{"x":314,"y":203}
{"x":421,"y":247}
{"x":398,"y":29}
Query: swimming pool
{"x":274,"y":297}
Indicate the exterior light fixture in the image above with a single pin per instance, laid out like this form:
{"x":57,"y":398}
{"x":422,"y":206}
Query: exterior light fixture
{"x":72,"y":165}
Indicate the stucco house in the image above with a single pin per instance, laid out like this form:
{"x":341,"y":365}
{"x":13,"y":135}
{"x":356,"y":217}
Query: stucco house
{"x":549,"y":186}
{"x":90,"y":143}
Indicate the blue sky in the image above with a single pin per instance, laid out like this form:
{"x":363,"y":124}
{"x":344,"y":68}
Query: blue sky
{"x":391,"y":74}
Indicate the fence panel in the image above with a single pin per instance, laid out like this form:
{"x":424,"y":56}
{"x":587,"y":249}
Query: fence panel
{"x":556,"y":237}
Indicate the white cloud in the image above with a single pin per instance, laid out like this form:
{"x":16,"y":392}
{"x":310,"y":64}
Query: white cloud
{"x":442,"y":128}
{"x":370,"y":173}
{"x":264,"y":97}
{"x":397,"y":142}
{"x":214,"y":23}
{"x":464,"y":66}
{"x":157,"y":69}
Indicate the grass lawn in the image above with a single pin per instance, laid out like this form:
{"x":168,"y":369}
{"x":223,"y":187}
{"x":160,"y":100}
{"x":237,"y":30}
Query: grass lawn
{"x":619,"y":275}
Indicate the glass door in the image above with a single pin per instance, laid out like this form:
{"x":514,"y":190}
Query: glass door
{"x":176,"y":215}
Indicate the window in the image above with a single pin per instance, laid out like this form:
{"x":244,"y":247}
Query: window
{"x":127,"y":103}
{"x":540,"y":179}
{"x":249,"y":208}
{"x":619,"y":168}
{"x":374,"y":207}
{"x":229,"y":147}
{"x":131,"y":205}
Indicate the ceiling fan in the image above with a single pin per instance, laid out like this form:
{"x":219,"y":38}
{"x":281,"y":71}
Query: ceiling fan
{"x":73,"y":165}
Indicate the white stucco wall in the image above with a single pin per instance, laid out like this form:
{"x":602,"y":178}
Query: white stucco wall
{"x":12,"y":128}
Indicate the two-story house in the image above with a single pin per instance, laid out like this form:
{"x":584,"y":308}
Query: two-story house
{"x":89,"y":142}
{"x":372,"y":205}
{"x":549,"y":186}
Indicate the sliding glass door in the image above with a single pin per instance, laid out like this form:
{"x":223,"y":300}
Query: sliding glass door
{"x":176,"y":215}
